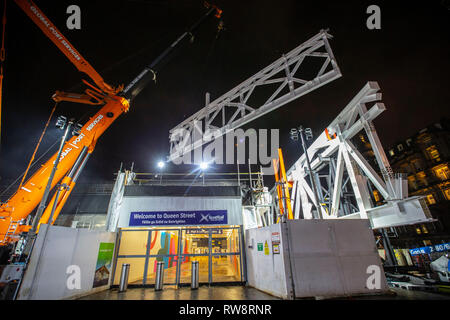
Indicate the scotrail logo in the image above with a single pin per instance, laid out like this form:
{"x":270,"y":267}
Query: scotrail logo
{"x":208,"y":218}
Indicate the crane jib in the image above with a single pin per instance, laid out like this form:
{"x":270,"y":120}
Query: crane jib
{"x":143,"y":78}
{"x":135,"y":80}
{"x":55,"y":32}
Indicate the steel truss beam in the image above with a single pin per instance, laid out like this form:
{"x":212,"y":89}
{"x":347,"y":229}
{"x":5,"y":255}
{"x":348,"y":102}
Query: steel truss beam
{"x":233,"y":109}
{"x":336,"y":163}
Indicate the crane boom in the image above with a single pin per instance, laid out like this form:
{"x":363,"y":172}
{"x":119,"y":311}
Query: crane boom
{"x":52,"y":32}
{"x":25,"y":200}
{"x":73,"y":157}
{"x":149,"y":72}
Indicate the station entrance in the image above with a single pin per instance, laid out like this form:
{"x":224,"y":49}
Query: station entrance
{"x":217,"y":249}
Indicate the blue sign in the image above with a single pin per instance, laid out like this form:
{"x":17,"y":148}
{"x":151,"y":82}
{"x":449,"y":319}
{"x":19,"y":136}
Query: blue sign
{"x":430,"y":249}
{"x":171,"y":218}
{"x":204,"y":231}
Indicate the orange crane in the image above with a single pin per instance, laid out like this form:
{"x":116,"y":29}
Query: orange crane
{"x":283,"y":185}
{"x":77,"y":149}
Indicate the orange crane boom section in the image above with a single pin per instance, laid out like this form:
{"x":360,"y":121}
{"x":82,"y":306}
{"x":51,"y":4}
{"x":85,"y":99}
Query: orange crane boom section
{"x":52,"y":32}
{"x":25,"y":200}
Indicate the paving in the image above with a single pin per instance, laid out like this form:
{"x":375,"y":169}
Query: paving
{"x":403,"y":294}
{"x":184,"y":293}
{"x":239,"y":293}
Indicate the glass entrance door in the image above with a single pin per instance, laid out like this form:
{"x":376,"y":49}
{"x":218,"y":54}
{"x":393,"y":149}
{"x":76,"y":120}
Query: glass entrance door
{"x":164,"y":246}
{"x":217,"y":249}
{"x":195,"y":247}
{"x":226,"y":260}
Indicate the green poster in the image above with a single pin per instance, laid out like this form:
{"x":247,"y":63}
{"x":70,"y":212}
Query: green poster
{"x":104,"y":263}
{"x":260,"y":246}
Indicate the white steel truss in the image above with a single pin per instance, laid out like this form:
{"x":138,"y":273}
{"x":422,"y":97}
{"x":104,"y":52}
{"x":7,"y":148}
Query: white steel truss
{"x":345,"y":179}
{"x":284,"y":80}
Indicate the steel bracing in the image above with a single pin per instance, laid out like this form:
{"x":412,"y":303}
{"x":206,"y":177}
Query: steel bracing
{"x":345,"y":180}
{"x":281,"y":82}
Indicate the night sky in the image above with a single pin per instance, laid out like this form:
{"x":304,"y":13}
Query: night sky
{"x":408,"y":57}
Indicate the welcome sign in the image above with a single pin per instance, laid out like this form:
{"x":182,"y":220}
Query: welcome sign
{"x":170,"y":218}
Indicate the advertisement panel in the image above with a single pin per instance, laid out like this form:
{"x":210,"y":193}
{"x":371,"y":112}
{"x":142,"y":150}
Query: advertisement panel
{"x":104,"y":262}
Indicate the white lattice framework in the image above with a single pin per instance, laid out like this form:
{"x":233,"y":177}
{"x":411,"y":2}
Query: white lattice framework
{"x":342,"y":174}
{"x":235,"y":108}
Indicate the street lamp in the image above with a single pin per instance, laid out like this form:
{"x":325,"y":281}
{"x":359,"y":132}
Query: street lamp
{"x":203,"y":166}
{"x":61,"y":122}
{"x":66,"y":125}
{"x":306,"y":133}
{"x":161,"y":164}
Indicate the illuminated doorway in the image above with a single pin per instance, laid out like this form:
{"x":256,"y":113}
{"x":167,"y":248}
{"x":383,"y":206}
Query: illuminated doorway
{"x":217,"y":249}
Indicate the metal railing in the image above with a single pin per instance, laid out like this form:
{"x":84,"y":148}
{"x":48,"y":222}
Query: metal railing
{"x":159,"y":281}
{"x":123,"y":285}
{"x":197,"y":178}
{"x":194,"y":275}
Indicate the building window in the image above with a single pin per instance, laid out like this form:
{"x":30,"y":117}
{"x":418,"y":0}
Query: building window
{"x":433,"y":153}
{"x":442,"y":172}
{"x":400,"y":147}
{"x":447,"y":193}
{"x":417,"y":164}
{"x":406,"y":168}
{"x":376,"y":195}
{"x":391,"y":152}
{"x":409,"y":142}
{"x":430,"y":199}
{"x":412,"y":182}
{"x":422,"y":178}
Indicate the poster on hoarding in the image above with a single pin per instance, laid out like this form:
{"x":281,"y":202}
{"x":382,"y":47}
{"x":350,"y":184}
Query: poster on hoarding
{"x":275,"y":237}
{"x":266,"y":248}
{"x":275,"y":248}
{"x":104,"y":262}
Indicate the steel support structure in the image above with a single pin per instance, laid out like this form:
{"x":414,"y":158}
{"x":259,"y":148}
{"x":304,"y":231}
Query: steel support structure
{"x":343,"y":177}
{"x":281,"y":82}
